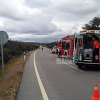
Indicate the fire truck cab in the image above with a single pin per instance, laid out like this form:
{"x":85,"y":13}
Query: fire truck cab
{"x":67,"y":46}
{"x":84,"y":53}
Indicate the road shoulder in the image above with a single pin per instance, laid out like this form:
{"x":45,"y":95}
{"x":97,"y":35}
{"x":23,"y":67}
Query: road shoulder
{"x":29,"y":88}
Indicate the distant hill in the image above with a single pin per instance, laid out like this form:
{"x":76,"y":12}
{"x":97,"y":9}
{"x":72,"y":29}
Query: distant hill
{"x":51,"y":45}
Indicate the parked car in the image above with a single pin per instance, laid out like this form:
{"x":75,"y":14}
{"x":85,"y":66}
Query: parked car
{"x":54,"y":50}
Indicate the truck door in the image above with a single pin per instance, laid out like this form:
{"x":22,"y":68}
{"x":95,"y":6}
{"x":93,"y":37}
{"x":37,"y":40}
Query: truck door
{"x":78,"y":47}
{"x":75,"y":56}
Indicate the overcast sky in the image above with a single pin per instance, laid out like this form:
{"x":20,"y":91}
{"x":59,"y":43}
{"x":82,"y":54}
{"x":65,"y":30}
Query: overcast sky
{"x":45,"y":20}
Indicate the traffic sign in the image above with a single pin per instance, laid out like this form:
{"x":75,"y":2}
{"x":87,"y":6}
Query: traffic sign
{"x":3,"y":37}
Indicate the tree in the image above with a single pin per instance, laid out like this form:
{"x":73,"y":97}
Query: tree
{"x":51,"y":45}
{"x":15,"y":48}
{"x":93,"y":24}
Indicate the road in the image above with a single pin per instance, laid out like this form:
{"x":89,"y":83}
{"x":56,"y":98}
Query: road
{"x":46,"y":79}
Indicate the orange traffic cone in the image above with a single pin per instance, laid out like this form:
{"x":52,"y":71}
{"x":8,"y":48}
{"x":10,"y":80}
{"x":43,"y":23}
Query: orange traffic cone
{"x":53,"y":58}
{"x":96,"y":93}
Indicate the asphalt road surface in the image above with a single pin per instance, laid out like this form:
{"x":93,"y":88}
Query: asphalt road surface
{"x":46,"y":77}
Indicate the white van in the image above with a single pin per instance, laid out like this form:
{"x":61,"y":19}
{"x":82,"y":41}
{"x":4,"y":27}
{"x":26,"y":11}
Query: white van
{"x":54,"y":50}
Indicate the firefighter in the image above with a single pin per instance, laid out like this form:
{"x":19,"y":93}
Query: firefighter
{"x":42,"y":48}
{"x":59,"y":53}
{"x":95,"y":49}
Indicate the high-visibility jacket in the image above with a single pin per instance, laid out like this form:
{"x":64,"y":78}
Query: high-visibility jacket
{"x":95,"y":44}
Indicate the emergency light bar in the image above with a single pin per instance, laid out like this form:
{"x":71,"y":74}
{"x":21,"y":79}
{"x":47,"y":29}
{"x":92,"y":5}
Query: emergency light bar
{"x":90,"y":31}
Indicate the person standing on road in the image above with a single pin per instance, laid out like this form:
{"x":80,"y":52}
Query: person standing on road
{"x":42,"y":48}
{"x":95,"y":49}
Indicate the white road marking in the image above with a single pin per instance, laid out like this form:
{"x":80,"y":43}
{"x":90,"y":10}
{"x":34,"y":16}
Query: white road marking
{"x":49,"y":49}
{"x":44,"y":94}
{"x":67,"y":64}
{"x":49,"y":54}
{"x":73,"y":67}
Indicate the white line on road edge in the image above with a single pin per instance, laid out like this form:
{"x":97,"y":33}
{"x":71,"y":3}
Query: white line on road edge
{"x":49,"y":49}
{"x":73,"y":67}
{"x":44,"y":95}
{"x":48,"y":54}
{"x":67,"y":64}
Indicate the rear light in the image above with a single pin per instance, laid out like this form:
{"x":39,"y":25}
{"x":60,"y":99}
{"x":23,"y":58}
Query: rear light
{"x":96,"y":57}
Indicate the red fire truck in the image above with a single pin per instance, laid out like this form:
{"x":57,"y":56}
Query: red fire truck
{"x":67,"y":46}
{"x":79,"y":47}
{"x":85,"y":53}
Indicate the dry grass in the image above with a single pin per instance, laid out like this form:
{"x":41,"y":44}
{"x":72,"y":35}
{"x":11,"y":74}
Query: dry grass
{"x":10,"y":81}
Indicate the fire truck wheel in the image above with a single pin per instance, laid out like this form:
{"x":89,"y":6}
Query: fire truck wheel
{"x":57,"y":51}
{"x":79,"y":66}
{"x":65,"y":55}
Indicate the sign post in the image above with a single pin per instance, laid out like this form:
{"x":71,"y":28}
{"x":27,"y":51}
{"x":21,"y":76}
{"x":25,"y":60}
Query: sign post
{"x":2,"y":54}
{"x":24,"y":56}
{"x":3,"y":40}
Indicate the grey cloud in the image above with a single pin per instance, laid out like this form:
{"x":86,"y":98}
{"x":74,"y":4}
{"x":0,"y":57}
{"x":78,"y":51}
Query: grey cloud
{"x":37,"y":25}
{"x":40,"y":38}
{"x":36,"y":39}
{"x":79,"y":7}
{"x":53,"y":18}
{"x":59,"y":30}
{"x":16,"y":10}
{"x":37,"y":3}
{"x":10,"y":10}
{"x":74,"y":27}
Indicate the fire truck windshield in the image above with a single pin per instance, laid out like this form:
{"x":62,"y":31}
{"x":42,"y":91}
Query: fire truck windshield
{"x":65,"y":45}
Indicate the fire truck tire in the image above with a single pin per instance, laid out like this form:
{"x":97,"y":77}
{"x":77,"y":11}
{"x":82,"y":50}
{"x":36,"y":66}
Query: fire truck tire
{"x":57,"y":51}
{"x":65,"y":55}
{"x":79,"y":66}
